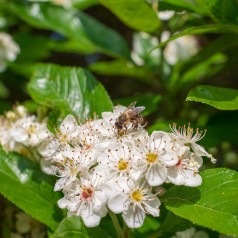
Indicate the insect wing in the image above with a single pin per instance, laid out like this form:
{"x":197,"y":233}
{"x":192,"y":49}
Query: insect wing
{"x":139,"y":109}
{"x":131,"y":106}
{"x":134,"y":113}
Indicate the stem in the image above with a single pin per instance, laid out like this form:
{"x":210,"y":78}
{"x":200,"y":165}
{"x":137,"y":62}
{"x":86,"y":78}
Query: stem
{"x":155,"y":235}
{"x":116,"y":225}
{"x":126,"y":230}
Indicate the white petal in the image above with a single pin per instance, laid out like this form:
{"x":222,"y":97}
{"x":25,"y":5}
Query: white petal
{"x":47,"y":167}
{"x":192,"y":180}
{"x":117,"y":203}
{"x":152,"y":207}
{"x":156,"y":175}
{"x":108,"y":116}
{"x":92,"y":220}
{"x":134,"y":219}
{"x":18,"y":135}
{"x":118,"y":110}
{"x":68,"y":125}
{"x":69,"y":204}
{"x":169,"y":158}
{"x":175,"y":176}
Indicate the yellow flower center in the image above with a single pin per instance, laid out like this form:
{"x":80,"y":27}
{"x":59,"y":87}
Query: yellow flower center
{"x":151,"y":157}
{"x":63,"y":138}
{"x":122,"y":164}
{"x":31,"y":129}
{"x":137,"y":195}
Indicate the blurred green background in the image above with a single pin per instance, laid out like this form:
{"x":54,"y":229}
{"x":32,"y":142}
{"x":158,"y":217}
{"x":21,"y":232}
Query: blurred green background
{"x":121,"y":44}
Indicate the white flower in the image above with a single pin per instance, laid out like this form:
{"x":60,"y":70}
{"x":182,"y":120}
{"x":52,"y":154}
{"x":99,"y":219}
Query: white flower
{"x":68,"y":131}
{"x":5,"y":139}
{"x":110,"y":132}
{"x":187,"y":137}
{"x":27,"y":226}
{"x":155,"y":156}
{"x":86,"y":198}
{"x":134,"y":201}
{"x":191,"y":233}
{"x":142,"y":44}
{"x":18,"y":130}
{"x":117,"y":160}
{"x":185,"y":172}
{"x":166,"y":15}
{"x":179,"y":49}
{"x":66,"y":136}
{"x":8,"y":50}
{"x":89,"y":139}
{"x":74,"y":165}
{"x":28,"y":131}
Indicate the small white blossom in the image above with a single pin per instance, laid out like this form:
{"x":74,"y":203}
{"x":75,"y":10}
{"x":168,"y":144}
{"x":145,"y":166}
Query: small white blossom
{"x":166,"y":15}
{"x":64,"y":138}
{"x":118,"y":160}
{"x":8,"y":50}
{"x":179,"y":49}
{"x":185,"y":172}
{"x":29,"y":131}
{"x":90,"y":140}
{"x":111,"y":133}
{"x":75,"y":163}
{"x":86,"y":198}
{"x":134,"y":201}
{"x":187,"y":137}
{"x":191,"y":233}
{"x":155,"y":156}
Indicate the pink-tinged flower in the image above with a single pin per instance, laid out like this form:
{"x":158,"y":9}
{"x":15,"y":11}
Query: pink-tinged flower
{"x":87,"y":199}
{"x":186,"y":171}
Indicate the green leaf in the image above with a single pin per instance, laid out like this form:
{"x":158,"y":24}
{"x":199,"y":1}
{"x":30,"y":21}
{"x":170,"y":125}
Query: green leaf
{"x":181,"y":5}
{"x":31,"y":52}
{"x":135,"y":13}
{"x":222,"y":10}
{"x":220,"y":98}
{"x":73,"y":227}
{"x":173,"y":223}
{"x":204,"y":69}
{"x":199,"y":30}
{"x":124,"y":68}
{"x":84,"y":4}
{"x":214,"y":204}
{"x":76,"y":25}
{"x":23,"y":183}
{"x":68,"y":89}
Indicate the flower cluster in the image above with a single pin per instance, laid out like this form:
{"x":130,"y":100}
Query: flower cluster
{"x":19,"y":130}
{"x":110,"y":163}
{"x":8,"y":50}
{"x":113,"y":163}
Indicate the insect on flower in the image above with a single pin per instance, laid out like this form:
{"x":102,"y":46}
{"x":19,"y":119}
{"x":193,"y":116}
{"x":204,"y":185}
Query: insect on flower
{"x":130,"y":117}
